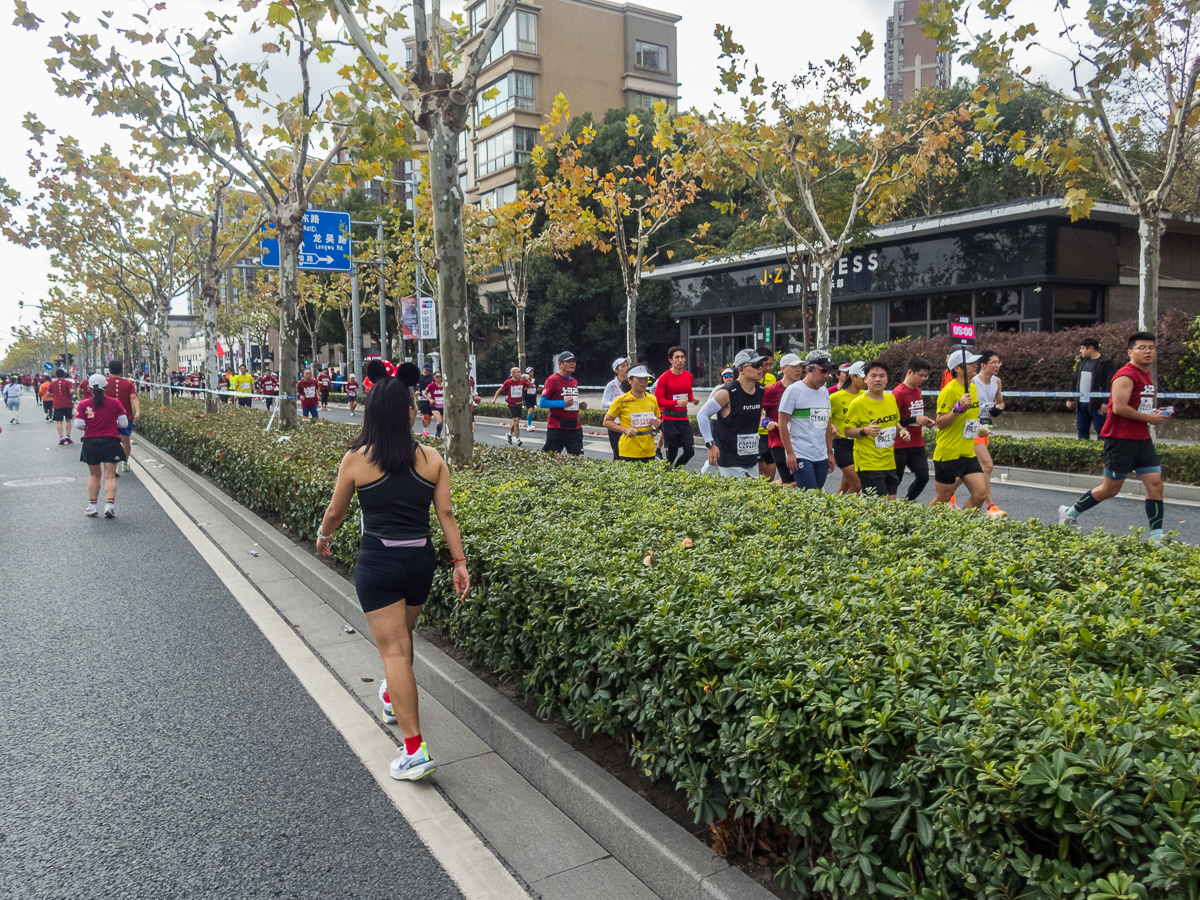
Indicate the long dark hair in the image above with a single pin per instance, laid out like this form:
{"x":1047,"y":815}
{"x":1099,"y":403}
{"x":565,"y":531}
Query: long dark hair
{"x":97,"y":396}
{"x":386,"y":436}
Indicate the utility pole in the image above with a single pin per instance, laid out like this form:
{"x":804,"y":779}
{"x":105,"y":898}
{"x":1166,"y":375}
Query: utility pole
{"x":383,"y":353}
{"x":356,"y":351}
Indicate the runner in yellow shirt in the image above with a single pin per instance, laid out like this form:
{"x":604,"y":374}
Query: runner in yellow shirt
{"x":873,"y":422}
{"x":958,"y":426}
{"x":843,"y":447}
{"x":766,"y":462}
{"x":243,"y":383}
{"x":634,"y":415}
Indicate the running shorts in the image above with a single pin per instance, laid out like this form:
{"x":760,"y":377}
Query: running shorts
{"x":843,"y":452}
{"x":982,"y":439}
{"x":386,"y":575}
{"x":127,"y":431}
{"x":98,"y":450}
{"x":764,"y":451}
{"x":245,"y":401}
{"x":738,"y":471}
{"x":569,"y":439}
{"x":352,"y":398}
{"x":779,"y":457}
{"x":950,"y":470}
{"x":309,"y":411}
{"x":424,"y":408}
{"x":530,"y":401}
{"x":63,"y":413}
{"x":879,"y":482}
{"x":1123,"y":455}
{"x":515,"y":410}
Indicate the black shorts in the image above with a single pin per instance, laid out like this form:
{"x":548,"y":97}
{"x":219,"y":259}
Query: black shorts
{"x":515,"y":410}
{"x":880,"y":482}
{"x":530,"y":401}
{"x":1123,"y":455}
{"x":424,"y":407}
{"x":48,"y":406}
{"x":779,"y":455}
{"x":569,"y":439}
{"x":98,"y":450}
{"x":764,"y":451}
{"x":635,"y":458}
{"x":950,"y":470}
{"x":386,"y":575}
{"x":677,"y":432}
{"x":352,"y":398}
{"x":63,"y":413}
{"x":843,"y":452}
{"x":245,"y":401}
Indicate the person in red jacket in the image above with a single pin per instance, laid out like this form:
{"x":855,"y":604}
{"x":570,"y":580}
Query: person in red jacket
{"x":123,"y":389}
{"x":513,"y":390}
{"x":269,"y":386}
{"x":308,"y":388}
{"x":101,"y":419}
{"x":673,"y":390}
{"x":62,"y":393}
{"x":325,"y":385}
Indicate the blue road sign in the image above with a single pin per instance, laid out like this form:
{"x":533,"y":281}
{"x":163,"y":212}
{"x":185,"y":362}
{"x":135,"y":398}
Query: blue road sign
{"x":326,"y":244}
{"x":48,"y":367}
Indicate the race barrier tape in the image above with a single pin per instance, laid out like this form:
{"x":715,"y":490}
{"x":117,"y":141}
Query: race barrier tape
{"x":180,"y":388}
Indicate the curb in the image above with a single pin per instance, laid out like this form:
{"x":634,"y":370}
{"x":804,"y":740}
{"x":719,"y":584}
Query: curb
{"x":664,"y":856}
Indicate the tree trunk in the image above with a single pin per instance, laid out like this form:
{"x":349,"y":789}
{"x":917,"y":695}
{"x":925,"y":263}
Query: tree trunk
{"x":210,"y":295}
{"x":631,"y":301}
{"x":519,"y":308}
{"x":290,"y":229}
{"x":164,"y":349}
{"x":452,"y":287}
{"x":824,"y":303}
{"x":1150,"y":239}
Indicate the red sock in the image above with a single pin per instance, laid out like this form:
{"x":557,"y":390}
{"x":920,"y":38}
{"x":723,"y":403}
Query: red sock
{"x":412,"y":744}
{"x":386,"y":698}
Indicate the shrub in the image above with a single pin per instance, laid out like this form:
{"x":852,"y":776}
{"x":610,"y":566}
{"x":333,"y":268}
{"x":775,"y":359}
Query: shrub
{"x":935,"y":706}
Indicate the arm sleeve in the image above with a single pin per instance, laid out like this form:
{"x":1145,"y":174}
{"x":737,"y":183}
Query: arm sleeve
{"x":122,"y":421}
{"x":610,"y":393}
{"x":704,"y":417}
{"x":543,"y":403}
{"x":79,"y":424}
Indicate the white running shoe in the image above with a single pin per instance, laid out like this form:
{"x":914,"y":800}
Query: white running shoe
{"x":388,"y":716}
{"x":110,"y":511}
{"x":1065,"y":517}
{"x":91,"y":511}
{"x":706,"y":468}
{"x":412,"y":768}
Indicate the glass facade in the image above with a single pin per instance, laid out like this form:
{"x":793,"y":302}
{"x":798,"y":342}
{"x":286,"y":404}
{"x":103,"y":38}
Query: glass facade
{"x":518,"y":34}
{"x":651,"y":56}
{"x":713,"y":342}
{"x":508,"y":148}
{"x":513,"y":91}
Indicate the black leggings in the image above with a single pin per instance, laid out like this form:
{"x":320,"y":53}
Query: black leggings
{"x":614,"y":439}
{"x":386,"y":575}
{"x":678,"y":435}
{"x":915,"y":460}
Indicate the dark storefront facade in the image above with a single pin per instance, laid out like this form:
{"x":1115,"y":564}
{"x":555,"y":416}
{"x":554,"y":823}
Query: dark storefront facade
{"x":1017,"y":266}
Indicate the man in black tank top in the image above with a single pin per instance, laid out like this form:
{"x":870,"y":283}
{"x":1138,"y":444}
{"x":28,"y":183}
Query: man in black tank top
{"x":733,"y":442}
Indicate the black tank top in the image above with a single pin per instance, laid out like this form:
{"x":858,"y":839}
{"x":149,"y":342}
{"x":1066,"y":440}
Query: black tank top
{"x":737,"y":433}
{"x":396,"y":507}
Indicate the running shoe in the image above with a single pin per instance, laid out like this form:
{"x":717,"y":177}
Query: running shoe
{"x":953,"y":504}
{"x":110,"y":511}
{"x":1156,"y":536}
{"x":519,"y":444}
{"x":1065,"y":517}
{"x":91,"y":511}
{"x":125,"y":465}
{"x":412,"y":768}
{"x":995,"y":512}
{"x":531,"y":428}
{"x":509,"y":436}
{"x":61,"y":441}
{"x":68,"y":440}
{"x":388,"y":715}
{"x":425,"y":431}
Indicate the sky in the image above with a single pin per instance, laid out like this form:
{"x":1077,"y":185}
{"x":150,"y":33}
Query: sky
{"x":781,"y":36}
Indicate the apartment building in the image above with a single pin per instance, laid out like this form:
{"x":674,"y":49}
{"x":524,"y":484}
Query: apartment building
{"x":599,"y":54}
{"x":911,"y":60}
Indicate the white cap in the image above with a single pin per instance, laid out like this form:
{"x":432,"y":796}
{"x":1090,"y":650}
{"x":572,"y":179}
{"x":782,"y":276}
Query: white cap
{"x":97,"y":381}
{"x":959,"y":357}
{"x":790,"y":359}
{"x":858,"y":368}
{"x":618,"y":361}
{"x":640,"y":372}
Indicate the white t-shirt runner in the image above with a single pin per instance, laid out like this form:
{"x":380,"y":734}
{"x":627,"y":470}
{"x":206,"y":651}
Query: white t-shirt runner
{"x":809,"y":411}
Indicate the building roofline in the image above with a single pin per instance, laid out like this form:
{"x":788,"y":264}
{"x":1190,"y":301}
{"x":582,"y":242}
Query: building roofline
{"x":1009,"y":211}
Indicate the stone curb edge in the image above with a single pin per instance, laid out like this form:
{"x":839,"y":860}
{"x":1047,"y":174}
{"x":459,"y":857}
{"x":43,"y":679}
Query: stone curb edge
{"x":665,"y":857}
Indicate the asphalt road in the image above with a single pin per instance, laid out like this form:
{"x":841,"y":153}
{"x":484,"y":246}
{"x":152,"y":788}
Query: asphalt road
{"x":153,"y":743}
{"x":1116,"y":516}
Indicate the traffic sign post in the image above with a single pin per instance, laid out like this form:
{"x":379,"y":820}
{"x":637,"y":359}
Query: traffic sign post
{"x":326,"y":244}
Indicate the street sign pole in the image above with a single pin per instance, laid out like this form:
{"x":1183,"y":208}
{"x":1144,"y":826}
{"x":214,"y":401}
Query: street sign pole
{"x":383,"y":353}
{"x":356,"y":352}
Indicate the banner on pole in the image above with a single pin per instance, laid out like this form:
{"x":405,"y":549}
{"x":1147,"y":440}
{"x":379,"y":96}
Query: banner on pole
{"x":410,"y":318}
{"x":428,"y":319}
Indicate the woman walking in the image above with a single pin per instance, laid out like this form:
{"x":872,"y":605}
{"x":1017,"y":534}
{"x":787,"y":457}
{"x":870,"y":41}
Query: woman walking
{"x":99,"y":418}
{"x":396,"y":481}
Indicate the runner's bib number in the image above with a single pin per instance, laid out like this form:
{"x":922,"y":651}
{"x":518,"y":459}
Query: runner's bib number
{"x":571,"y":396}
{"x":886,"y":439}
{"x":916,"y":408}
{"x":971,"y":429}
{"x":680,"y":399}
{"x":819,"y":418}
{"x":640,"y":420}
{"x":1146,"y":406}
{"x":310,"y":392}
{"x":515,"y":393}
{"x":747,"y":444}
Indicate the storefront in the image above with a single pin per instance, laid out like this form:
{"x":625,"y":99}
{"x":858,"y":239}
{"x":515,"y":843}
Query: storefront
{"x":1015,"y":266}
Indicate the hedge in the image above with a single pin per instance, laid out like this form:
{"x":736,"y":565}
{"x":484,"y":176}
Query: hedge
{"x":933,"y":705}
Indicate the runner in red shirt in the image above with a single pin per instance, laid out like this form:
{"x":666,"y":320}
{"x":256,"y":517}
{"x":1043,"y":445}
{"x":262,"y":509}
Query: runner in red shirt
{"x":673,"y":390}
{"x":269,"y":385}
{"x":124,"y":390}
{"x":791,"y":368}
{"x":307,"y":388}
{"x":62,"y":393}
{"x":910,"y":453}
{"x":434,"y":392}
{"x":325,"y":384}
{"x":1128,"y":446}
{"x":560,"y":395}
{"x":352,"y":392}
{"x":513,"y":390}
{"x":223,"y":385}
{"x":101,"y":419}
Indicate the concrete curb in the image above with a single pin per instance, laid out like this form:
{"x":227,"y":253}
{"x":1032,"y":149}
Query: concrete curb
{"x":664,"y":856}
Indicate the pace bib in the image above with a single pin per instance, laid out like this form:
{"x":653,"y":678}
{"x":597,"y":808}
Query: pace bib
{"x":886,"y":439}
{"x":571,"y":398}
{"x":971,"y":429}
{"x":747,"y":444}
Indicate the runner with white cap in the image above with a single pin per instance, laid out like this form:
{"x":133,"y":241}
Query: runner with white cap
{"x":733,"y":443}
{"x":791,"y":371}
{"x":958,"y":426}
{"x":633,"y":417}
{"x":843,"y":447}
{"x":614,"y":389}
{"x":804,"y":427}
{"x":100,"y":419}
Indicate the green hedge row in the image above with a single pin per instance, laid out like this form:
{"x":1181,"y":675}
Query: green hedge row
{"x":935,"y":705}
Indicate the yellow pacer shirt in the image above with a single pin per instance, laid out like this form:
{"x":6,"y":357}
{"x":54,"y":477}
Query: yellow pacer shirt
{"x":628,"y":411}
{"x":958,"y":440}
{"x":874,"y":454}
{"x":243,"y":384}
{"x":839,"y":402}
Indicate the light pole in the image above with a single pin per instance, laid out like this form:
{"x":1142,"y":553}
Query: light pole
{"x":356,"y":350}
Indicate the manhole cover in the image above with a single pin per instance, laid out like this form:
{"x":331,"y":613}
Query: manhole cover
{"x":38,"y":482}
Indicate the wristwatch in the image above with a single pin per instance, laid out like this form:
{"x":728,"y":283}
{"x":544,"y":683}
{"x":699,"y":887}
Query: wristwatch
{"x":708,"y":445}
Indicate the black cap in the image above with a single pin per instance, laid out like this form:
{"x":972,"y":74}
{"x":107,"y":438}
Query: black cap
{"x":565,"y":356}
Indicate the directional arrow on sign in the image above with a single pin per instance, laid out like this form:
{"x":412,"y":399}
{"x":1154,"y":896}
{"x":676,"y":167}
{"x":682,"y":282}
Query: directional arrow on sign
{"x":310,"y":258}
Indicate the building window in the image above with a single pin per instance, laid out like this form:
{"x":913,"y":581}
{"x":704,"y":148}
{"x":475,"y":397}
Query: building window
{"x":513,"y":91}
{"x":518,"y":33}
{"x":651,"y":56}
{"x":526,"y":32}
{"x":499,"y":197}
{"x":509,"y":148}
{"x":647,"y":101}
{"x":408,"y":57}
{"x":476,"y":16}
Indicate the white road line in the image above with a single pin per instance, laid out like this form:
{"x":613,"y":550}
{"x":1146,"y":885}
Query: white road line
{"x":478,"y":874}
